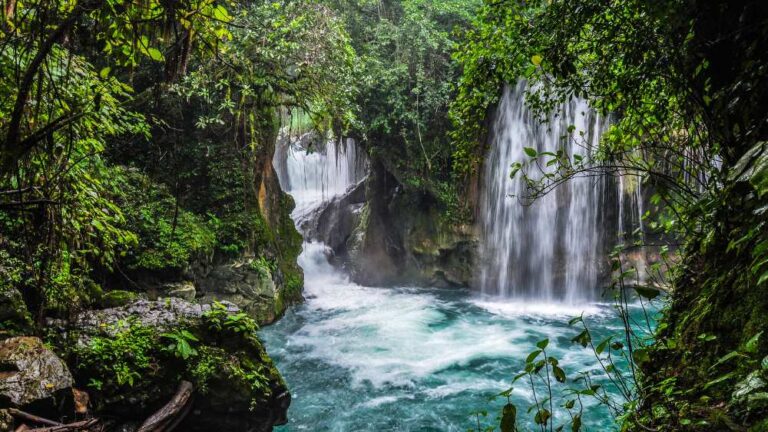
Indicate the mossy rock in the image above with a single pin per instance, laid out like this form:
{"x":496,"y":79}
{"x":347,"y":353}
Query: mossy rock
{"x":237,"y":386}
{"x":117,"y":298}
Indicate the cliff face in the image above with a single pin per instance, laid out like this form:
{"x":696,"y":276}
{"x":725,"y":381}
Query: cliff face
{"x":267,"y":278}
{"x":403,"y":237}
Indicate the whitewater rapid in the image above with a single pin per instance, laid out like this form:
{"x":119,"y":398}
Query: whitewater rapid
{"x":407,"y":358}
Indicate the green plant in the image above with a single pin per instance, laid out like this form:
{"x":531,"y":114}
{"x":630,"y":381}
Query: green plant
{"x":181,"y":343}
{"x":120,"y":359}
{"x":219,"y":319}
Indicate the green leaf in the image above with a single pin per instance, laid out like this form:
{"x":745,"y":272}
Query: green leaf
{"x":720,"y":379}
{"x":602,"y":345}
{"x":536,"y":60}
{"x":532,"y":356}
{"x":559,"y":374}
{"x":104,"y":73}
{"x":531,"y":152}
{"x":582,"y":338}
{"x":155,"y":54}
{"x":751,"y":345}
{"x":542,"y":344}
{"x":576,"y":425}
{"x":542,"y":416}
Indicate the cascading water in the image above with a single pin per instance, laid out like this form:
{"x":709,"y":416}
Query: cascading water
{"x":408,"y":358}
{"x":315,"y":175}
{"x":548,"y":250}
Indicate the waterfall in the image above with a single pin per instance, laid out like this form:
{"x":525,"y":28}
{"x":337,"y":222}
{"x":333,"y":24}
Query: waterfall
{"x":548,"y":250}
{"x":314,"y":172}
{"x":316,"y":175}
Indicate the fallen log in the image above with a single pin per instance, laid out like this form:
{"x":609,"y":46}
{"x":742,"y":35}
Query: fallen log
{"x":31,"y":417}
{"x":70,"y":427}
{"x":170,"y":415}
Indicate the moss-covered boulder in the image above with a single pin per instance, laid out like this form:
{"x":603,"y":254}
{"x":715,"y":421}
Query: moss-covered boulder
{"x":31,"y":374}
{"x":132,"y":359}
{"x":249,"y":284}
{"x":117,"y":298}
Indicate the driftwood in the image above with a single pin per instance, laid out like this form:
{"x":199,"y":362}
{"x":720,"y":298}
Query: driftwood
{"x":31,"y":417}
{"x":170,"y":415}
{"x":71,"y":427}
{"x":165,"y":419}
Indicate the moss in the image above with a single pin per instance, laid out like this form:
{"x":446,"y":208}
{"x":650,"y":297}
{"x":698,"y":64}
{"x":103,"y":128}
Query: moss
{"x":712,"y":336}
{"x":117,"y":298}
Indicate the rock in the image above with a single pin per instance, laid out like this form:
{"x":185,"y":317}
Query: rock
{"x":31,"y":372}
{"x":227,"y":399}
{"x":403,"y":237}
{"x":162,"y":315}
{"x":247,"y":284}
{"x":182,"y":290}
{"x":117,"y":298}
{"x":334,"y":222}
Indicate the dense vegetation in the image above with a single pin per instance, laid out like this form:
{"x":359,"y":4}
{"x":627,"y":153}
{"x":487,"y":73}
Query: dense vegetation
{"x":136,"y":143}
{"x":685,"y":81}
{"x":136,"y":138}
{"x":405,"y":82}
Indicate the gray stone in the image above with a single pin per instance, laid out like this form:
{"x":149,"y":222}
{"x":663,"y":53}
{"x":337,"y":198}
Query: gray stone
{"x":182,"y":290}
{"x":164,"y":314}
{"x":31,"y":372}
{"x":334,"y":222}
{"x":246,"y":284}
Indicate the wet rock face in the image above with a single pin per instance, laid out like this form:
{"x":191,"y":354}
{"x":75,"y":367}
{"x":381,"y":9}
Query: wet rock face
{"x":402,"y":238}
{"x":31,"y":373}
{"x":334,"y":222}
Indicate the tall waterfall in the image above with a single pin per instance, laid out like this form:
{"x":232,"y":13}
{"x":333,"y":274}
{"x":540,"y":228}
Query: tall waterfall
{"x":548,"y":250}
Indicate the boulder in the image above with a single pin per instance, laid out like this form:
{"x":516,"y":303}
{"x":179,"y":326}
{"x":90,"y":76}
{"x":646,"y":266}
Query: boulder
{"x":227,"y":399}
{"x":247,"y":284}
{"x":31,"y":373}
{"x":334,"y":222}
{"x":404,"y":237}
{"x":162,"y":315}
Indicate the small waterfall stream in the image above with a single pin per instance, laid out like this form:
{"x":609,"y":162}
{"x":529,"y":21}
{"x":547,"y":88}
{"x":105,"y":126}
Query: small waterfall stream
{"x":315,"y":175}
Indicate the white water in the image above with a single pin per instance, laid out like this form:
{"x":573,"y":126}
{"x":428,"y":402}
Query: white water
{"x":315,"y":176}
{"x":549,"y":250}
{"x":409,"y":359}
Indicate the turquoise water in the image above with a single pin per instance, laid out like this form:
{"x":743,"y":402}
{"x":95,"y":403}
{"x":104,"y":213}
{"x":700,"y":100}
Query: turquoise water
{"x":416,"y":359}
